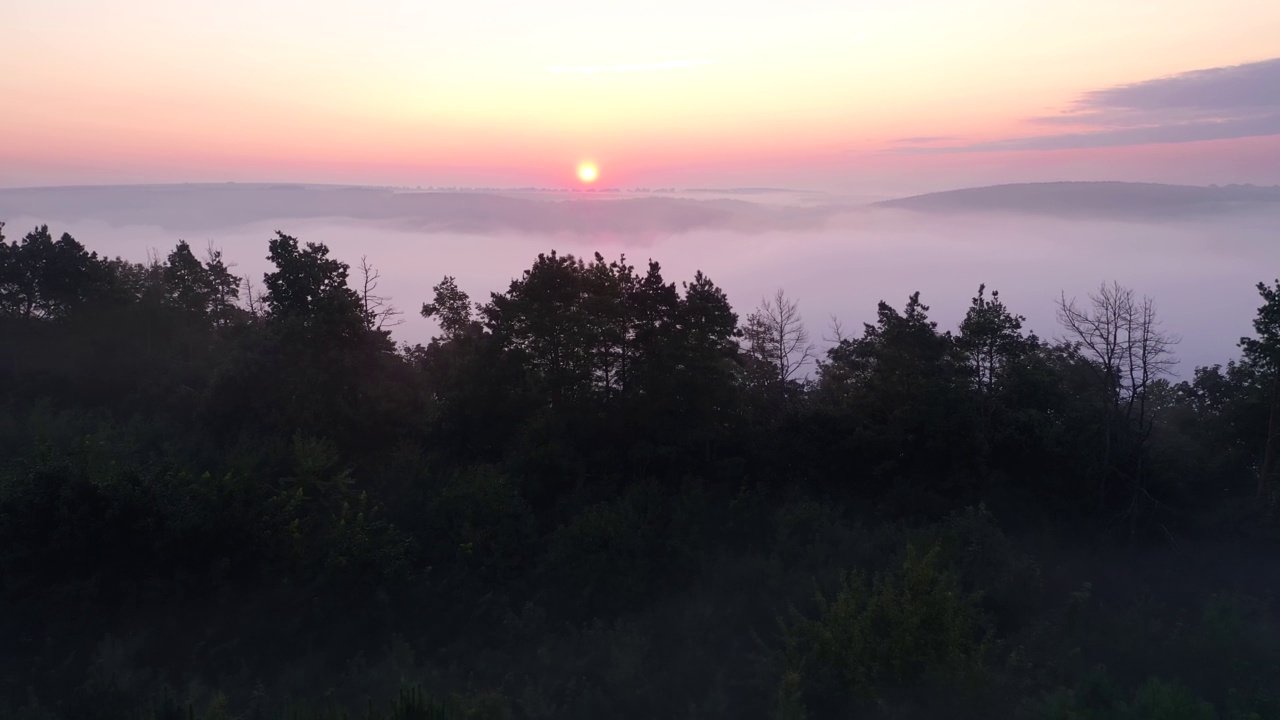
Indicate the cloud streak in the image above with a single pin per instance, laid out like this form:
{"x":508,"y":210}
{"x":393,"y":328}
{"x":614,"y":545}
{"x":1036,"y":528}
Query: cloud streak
{"x":924,"y":140}
{"x":643,"y":67}
{"x":1215,"y":104}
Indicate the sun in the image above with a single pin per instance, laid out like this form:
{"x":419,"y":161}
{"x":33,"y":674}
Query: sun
{"x":587,"y":172}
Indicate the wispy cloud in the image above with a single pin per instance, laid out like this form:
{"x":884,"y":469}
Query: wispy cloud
{"x":642,"y":67}
{"x":924,"y":140}
{"x":1214,"y":104}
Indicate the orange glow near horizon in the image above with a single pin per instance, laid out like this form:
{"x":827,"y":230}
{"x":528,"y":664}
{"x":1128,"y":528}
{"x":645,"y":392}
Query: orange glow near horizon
{"x":502,"y":94}
{"x":587,"y":173}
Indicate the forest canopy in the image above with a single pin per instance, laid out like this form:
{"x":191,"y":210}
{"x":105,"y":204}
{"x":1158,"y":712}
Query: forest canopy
{"x":599,"y":492}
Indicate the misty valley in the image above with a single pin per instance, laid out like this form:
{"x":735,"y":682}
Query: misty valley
{"x":351,"y":452}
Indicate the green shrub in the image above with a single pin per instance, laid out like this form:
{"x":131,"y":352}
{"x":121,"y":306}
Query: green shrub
{"x":1160,"y":700}
{"x":789,"y":700}
{"x":971,"y":542}
{"x":1223,"y":622}
{"x":1098,"y":697}
{"x":914,"y":626}
{"x":483,"y":523}
{"x":611,"y":554}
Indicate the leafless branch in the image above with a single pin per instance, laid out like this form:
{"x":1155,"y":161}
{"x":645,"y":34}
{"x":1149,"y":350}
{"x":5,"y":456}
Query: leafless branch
{"x":253,"y":299}
{"x":378,"y":310}
{"x":837,"y":332}
{"x":776,"y":335}
{"x":1119,"y":337}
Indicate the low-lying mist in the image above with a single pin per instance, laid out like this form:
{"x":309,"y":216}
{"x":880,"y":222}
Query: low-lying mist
{"x":836,"y":257}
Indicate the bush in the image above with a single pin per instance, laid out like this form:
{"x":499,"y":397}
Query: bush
{"x":1160,"y":700}
{"x":615,"y":554}
{"x":986,"y":560}
{"x":912,"y":627}
{"x":1098,"y":697}
{"x":483,"y":524}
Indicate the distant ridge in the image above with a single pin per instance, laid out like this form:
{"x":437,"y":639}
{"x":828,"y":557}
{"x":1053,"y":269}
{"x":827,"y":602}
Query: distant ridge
{"x":743,"y":190}
{"x":189,"y":208}
{"x":1097,"y":199}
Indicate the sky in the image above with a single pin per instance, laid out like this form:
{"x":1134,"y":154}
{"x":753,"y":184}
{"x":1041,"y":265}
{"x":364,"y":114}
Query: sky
{"x":852,"y":95}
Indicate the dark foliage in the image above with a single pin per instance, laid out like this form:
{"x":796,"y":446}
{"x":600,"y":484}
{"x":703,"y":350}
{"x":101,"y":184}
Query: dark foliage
{"x":601,"y":494}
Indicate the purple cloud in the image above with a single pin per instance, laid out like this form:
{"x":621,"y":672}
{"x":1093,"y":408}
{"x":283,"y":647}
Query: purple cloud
{"x":1214,"y":104}
{"x":924,"y":140}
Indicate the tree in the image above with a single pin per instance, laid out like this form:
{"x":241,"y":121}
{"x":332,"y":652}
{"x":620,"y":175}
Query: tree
{"x":451,"y":307}
{"x":992,"y":341}
{"x":309,"y":290}
{"x":776,"y":339}
{"x":606,"y":355}
{"x":700,"y":365}
{"x":996,"y":355}
{"x":1263,"y":353}
{"x":253,"y":301}
{"x":895,"y":355}
{"x":543,"y":318}
{"x":44,"y":278}
{"x":188,"y":286}
{"x":379,"y":313}
{"x":1217,"y":428}
{"x":584,"y":330}
{"x":1118,"y":336}
{"x":708,"y":324}
{"x":900,"y":393}
{"x":224,"y":288}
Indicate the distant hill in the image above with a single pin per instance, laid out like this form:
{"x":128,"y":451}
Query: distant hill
{"x":1119,"y":200}
{"x":206,"y":207}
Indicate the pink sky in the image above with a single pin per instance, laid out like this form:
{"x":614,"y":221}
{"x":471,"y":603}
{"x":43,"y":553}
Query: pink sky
{"x":500,"y":93}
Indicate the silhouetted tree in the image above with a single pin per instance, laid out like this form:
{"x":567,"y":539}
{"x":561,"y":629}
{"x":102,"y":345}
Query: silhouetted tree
{"x":1119,"y":337}
{"x":696,"y":371}
{"x":999,"y":361}
{"x":992,"y":341}
{"x":578,"y":494}
{"x":903,"y":387}
{"x":188,"y":285}
{"x":451,"y":307}
{"x":776,"y":338}
{"x":1263,"y":353}
{"x":379,"y":313}
{"x":544,"y":319}
{"x":224,"y":288}
{"x":44,"y":278}
{"x":308,"y":291}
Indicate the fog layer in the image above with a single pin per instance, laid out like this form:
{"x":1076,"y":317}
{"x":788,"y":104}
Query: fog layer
{"x":836,"y":258}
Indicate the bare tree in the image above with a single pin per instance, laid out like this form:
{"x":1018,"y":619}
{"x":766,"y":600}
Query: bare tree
{"x":1119,"y":337}
{"x":379,"y":313}
{"x":252,"y":298}
{"x":837,"y":331}
{"x":776,"y":336}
